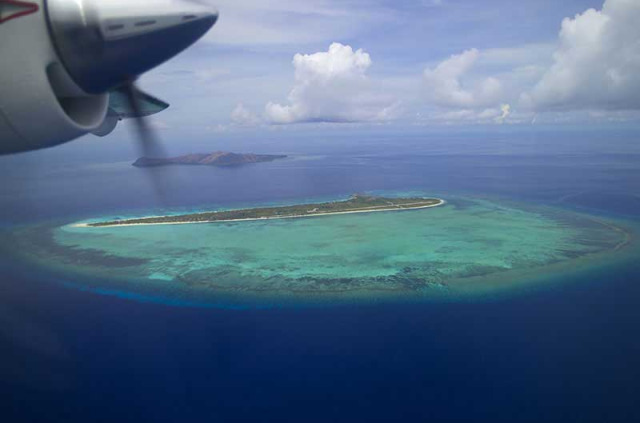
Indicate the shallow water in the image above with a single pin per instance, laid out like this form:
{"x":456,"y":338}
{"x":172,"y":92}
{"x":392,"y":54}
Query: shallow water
{"x":469,"y":246}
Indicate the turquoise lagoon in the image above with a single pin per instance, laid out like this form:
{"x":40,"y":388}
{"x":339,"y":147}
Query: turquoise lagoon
{"x":468,"y":248}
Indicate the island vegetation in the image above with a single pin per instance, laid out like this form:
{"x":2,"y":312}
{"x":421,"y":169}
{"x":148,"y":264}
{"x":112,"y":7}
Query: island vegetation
{"x":357,"y":203}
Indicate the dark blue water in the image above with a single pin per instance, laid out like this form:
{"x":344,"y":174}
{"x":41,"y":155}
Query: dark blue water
{"x":570,"y":353}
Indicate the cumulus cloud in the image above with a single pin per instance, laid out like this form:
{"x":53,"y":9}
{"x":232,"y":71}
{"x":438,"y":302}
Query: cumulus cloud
{"x":596,"y":64}
{"x":243,"y":117}
{"x":506,"y":111}
{"x":593,"y":67}
{"x":333,"y":86}
{"x":486,"y":116}
{"x":445,"y":86}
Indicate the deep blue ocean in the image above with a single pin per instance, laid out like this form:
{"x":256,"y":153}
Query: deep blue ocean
{"x":568,"y":353}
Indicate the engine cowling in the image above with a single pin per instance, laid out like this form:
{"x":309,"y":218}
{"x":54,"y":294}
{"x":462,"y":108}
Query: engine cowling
{"x":59,"y":60}
{"x":40,"y":105}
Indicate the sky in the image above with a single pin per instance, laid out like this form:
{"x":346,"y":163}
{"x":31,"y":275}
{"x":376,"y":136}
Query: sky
{"x":315,"y":64}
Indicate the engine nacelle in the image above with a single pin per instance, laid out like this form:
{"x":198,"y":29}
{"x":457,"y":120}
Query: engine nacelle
{"x":62,"y":60}
{"x":40,"y":105}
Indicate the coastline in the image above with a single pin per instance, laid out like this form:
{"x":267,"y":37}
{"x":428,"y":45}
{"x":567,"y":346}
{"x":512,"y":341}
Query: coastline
{"x":493,"y":285}
{"x":156,"y":281}
{"x":88,"y":225}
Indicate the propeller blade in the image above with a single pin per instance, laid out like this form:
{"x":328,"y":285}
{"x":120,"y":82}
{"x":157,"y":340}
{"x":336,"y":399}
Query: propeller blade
{"x":148,"y":142}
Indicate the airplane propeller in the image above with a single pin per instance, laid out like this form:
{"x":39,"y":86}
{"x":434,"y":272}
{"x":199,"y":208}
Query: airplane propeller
{"x":148,"y":142}
{"x":106,"y":46}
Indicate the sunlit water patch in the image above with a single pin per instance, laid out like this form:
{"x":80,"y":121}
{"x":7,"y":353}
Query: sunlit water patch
{"x":467,"y":248}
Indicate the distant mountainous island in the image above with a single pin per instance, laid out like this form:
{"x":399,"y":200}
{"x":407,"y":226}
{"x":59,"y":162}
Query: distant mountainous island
{"x":218,"y":158}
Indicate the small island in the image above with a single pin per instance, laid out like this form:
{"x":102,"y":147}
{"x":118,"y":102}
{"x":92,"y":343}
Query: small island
{"x":358,"y":203}
{"x":218,"y":158}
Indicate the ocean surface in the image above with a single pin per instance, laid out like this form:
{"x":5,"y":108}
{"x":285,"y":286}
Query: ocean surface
{"x":564,"y":350}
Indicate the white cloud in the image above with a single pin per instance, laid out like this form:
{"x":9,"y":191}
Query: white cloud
{"x":445,"y":86}
{"x":464,"y":116}
{"x":596,"y":64}
{"x":506,"y":111}
{"x":333,"y":86}
{"x":461,"y":94}
{"x":243,"y":117}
